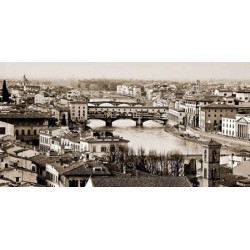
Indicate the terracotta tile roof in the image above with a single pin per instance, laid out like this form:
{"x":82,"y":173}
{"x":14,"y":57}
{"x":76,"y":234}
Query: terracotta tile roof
{"x":88,"y":170}
{"x":219,"y":106}
{"x":32,"y":115}
{"x":41,"y":160}
{"x":152,"y":181}
{"x":242,"y":169}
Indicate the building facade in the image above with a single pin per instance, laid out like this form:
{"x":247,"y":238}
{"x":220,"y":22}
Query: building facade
{"x":210,"y":116}
{"x":73,"y":94}
{"x":242,"y":127}
{"x":228,"y":126}
{"x":6,"y":129}
{"x":79,"y":110}
{"x":27,"y":124}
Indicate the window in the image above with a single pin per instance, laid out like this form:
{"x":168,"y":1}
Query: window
{"x":28,"y":131}
{"x":82,"y":183}
{"x":17,"y":179}
{"x":214,"y":115}
{"x":23,"y":133}
{"x":17,"y":132}
{"x":205,"y":173}
{"x":205,"y":155}
{"x":103,"y":148}
{"x":73,"y":183}
{"x":2,"y":130}
{"x":34,"y":131}
{"x":209,"y":115}
{"x":94,"y":148}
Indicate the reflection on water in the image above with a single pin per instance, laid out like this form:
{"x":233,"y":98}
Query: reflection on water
{"x":150,"y":136}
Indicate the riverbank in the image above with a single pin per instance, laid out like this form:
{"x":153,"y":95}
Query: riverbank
{"x":179,"y":134}
{"x":229,"y":145}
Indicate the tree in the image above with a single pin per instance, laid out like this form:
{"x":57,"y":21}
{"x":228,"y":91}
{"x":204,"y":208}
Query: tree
{"x":175,"y":163}
{"x":163,"y":164}
{"x":141,"y":159}
{"x":117,"y":156}
{"x":5,"y":93}
{"x":152,"y":161}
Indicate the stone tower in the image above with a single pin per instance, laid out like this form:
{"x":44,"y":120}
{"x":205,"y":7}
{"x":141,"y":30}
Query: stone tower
{"x":211,"y":164}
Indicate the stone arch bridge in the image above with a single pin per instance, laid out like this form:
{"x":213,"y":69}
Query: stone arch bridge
{"x":139,"y":114}
{"x":115,"y":102}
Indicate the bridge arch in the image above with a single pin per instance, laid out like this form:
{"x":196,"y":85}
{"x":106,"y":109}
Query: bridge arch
{"x":153,"y":123}
{"x":124,"y":123}
{"x":93,"y":123}
{"x":107,"y":104}
{"x":123,"y":105}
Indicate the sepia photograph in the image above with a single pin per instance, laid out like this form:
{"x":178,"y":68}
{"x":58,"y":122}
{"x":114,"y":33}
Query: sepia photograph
{"x":125,"y":125}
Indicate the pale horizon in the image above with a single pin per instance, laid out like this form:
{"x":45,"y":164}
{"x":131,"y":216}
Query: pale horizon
{"x":123,"y":70}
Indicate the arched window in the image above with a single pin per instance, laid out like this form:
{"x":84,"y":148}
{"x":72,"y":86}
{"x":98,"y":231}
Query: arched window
{"x":28,"y":131}
{"x":17,"y":132}
{"x":35,"y":132}
{"x":23,"y":132}
{"x":205,"y":155}
{"x":33,"y":168}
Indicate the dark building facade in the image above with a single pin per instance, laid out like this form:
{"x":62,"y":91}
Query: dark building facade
{"x":27,"y":125}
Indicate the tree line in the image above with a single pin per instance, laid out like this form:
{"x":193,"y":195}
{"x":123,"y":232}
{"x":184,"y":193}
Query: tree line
{"x":125,"y":158}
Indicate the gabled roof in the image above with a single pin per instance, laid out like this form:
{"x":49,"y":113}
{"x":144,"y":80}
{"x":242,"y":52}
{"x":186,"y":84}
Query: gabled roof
{"x":246,"y":118}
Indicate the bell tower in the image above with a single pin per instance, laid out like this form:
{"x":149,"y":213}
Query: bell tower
{"x":211,"y":164}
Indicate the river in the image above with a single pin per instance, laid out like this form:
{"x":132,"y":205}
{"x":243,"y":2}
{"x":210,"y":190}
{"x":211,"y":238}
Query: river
{"x":150,"y":136}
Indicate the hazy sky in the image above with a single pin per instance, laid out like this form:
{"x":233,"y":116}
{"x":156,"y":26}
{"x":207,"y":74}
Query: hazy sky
{"x":151,"y":70}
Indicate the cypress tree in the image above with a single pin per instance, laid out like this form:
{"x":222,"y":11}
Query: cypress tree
{"x":5,"y":93}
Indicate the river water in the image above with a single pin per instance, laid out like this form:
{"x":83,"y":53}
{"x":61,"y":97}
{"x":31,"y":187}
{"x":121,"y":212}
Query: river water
{"x":150,"y":136}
